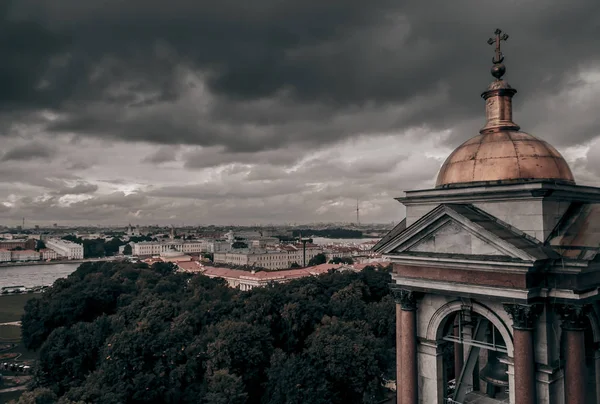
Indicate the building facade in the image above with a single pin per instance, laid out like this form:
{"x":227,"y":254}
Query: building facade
{"x":281,"y":258}
{"x":24,"y":255}
{"x":65,"y":248}
{"x":28,"y":244}
{"x":496,"y":273}
{"x":245,"y":280}
{"x":340,"y":252}
{"x":148,"y":248}
{"x":48,"y":254}
{"x":213,"y":246}
{"x":5,"y":255}
{"x":132,"y":231}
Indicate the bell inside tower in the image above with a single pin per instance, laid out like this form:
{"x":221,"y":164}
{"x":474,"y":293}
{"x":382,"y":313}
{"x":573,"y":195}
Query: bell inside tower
{"x":476,"y":361}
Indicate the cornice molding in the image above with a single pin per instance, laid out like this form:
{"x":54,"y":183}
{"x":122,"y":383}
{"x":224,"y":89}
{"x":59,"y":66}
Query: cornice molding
{"x":502,"y":192}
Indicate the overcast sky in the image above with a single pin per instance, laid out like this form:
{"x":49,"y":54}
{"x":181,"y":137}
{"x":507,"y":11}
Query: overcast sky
{"x":272,"y":111}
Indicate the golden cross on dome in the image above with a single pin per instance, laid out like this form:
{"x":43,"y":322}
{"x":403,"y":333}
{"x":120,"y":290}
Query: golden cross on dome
{"x":499,"y":37}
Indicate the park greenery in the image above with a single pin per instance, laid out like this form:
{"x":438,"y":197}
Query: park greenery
{"x":239,"y":244}
{"x":99,"y":248}
{"x":127,"y":250}
{"x":342,"y":260}
{"x":123,"y":332}
{"x":317,"y":260}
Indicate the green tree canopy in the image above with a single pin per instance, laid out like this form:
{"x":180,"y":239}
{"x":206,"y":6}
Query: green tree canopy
{"x":317,"y":260}
{"x":119,"y":332}
{"x":342,"y":260}
{"x":127,"y":250}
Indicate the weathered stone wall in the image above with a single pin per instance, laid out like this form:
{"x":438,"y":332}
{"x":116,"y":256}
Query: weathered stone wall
{"x":452,"y":238}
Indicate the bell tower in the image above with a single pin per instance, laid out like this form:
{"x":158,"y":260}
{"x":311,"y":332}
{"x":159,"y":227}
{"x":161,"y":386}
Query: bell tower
{"x":497,"y":273}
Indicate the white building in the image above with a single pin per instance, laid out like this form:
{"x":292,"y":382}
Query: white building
{"x":263,"y":242}
{"x":145,"y":248}
{"x":213,"y":246}
{"x":232,"y":236}
{"x":65,"y":248}
{"x":280,"y":258}
{"x":48,"y":254}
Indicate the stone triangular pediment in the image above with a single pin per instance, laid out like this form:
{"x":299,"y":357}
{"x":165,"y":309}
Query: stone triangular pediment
{"x":462,"y":229}
{"x":453,"y":238}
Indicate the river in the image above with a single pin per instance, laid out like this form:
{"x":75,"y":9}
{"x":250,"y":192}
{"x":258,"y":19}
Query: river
{"x":35,"y":275}
{"x":45,"y":275}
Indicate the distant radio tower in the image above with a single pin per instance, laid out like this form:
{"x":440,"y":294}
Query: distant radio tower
{"x":357,"y":213}
{"x":23,"y":223}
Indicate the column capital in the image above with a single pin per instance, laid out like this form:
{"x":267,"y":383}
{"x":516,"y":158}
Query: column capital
{"x":407,"y":299}
{"x":524,"y":316}
{"x":573,"y":316}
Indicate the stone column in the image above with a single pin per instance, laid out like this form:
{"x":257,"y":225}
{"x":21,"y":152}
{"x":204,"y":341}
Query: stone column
{"x":573,"y":326}
{"x":397,"y":298}
{"x":524,"y":317}
{"x":597,"y":367}
{"x":408,"y":386}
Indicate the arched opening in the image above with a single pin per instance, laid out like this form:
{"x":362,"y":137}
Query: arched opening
{"x":476,"y":351}
{"x":482,"y":371}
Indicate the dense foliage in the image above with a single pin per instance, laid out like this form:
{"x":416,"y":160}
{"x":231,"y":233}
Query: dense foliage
{"x":127,"y":250}
{"x":239,"y":244}
{"x":97,"y":248}
{"x":342,"y":260}
{"x":317,"y":260}
{"x":127,"y":333}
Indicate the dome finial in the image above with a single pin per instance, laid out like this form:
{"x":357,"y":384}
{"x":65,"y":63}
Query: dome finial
{"x":498,"y":69}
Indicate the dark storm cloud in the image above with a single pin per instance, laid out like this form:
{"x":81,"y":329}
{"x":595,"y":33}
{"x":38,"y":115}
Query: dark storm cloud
{"x":285,"y":73}
{"x":78,"y":165}
{"x":100,"y":208}
{"x":28,"y":50}
{"x":29,"y":151}
{"x":232,"y":190}
{"x":163,"y":155}
{"x":211,"y":157}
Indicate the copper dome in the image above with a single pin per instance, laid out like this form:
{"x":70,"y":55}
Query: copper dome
{"x":501,"y":152}
{"x":504,"y":156}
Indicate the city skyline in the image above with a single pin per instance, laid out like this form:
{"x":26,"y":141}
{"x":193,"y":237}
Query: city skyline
{"x":221,"y":113}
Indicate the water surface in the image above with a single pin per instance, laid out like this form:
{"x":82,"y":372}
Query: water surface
{"x":35,"y":275}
